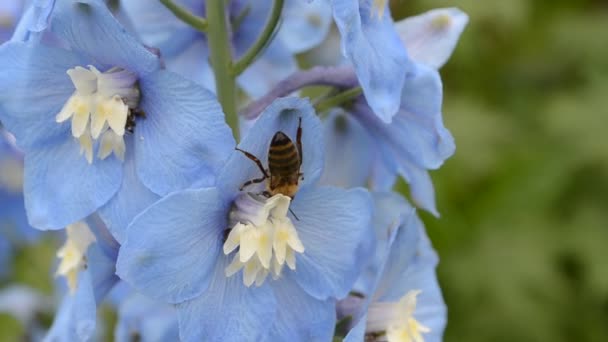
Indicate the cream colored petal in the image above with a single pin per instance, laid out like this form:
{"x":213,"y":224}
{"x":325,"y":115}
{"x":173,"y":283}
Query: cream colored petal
{"x":106,"y":145}
{"x":233,"y":240}
{"x":67,"y":110}
{"x":80,"y":120}
{"x":86,"y":147}
{"x":117,"y":115}
{"x":290,"y":258}
{"x":250,"y":272}
{"x":234,"y":266}
{"x":249,"y":244}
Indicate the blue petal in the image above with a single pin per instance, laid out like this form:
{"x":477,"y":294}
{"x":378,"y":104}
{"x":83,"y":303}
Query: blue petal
{"x":89,"y":27}
{"x":376,"y":52}
{"x":58,"y":171}
{"x":305,"y":25}
{"x":184,"y":138}
{"x":160,"y":28}
{"x":76,"y":318}
{"x":421,"y":186}
{"x":227,"y":310}
{"x":131,"y":199}
{"x":172,"y":247}
{"x":281,"y":115}
{"x":301,"y":317}
{"x":274,"y":65}
{"x":148,"y":319}
{"x":102,"y":272}
{"x":349,"y":152}
{"x":334,"y":225}
{"x":357,"y":333}
{"x":34,"y":86}
{"x":432,"y":36}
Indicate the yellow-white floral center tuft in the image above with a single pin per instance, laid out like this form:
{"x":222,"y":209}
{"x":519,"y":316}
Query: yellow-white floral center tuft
{"x":396,"y":320}
{"x":99,"y":108}
{"x":73,"y":253}
{"x":265,"y":237}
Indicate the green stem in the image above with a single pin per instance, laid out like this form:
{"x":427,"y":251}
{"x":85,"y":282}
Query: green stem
{"x":220,"y":55}
{"x":251,"y":54}
{"x":338,"y":99}
{"x":186,"y":16}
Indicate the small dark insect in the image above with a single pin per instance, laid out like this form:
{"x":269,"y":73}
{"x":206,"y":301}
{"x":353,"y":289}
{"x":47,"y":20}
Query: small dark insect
{"x":284,"y":162}
{"x":133,"y":115}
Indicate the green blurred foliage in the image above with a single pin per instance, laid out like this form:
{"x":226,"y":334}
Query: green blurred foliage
{"x":523,"y":235}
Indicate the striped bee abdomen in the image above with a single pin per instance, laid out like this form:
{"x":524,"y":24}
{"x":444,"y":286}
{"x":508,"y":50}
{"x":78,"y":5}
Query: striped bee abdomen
{"x":283,"y":158}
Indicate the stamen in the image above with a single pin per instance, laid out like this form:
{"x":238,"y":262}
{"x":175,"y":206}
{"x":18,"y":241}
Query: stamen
{"x":99,"y":108}
{"x":73,"y":253}
{"x":265,"y":237}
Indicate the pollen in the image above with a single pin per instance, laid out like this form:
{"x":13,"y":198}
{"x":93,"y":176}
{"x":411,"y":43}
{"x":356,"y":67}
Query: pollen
{"x":265,"y":237}
{"x":72,"y":254}
{"x":99,"y":108}
{"x":394,"y":321}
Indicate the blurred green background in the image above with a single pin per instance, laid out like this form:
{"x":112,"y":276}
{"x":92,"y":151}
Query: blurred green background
{"x":523,"y":236}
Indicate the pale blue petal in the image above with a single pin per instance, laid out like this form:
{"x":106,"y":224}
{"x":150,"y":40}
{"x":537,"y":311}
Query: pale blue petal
{"x":193,"y":64}
{"x":274,"y":65}
{"x":172,"y":247}
{"x":334,"y":225}
{"x":349,"y":152}
{"x":34,"y":86}
{"x":89,"y":27}
{"x":76,"y":318}
{"x":421,"y":186}
{"x":131,"y":199}
{"x":251,"y":25}
{"x":384,"y":169}
{"x":228,"y":310}
{"x":183,"y":138}
{"x":77,"y":188}
{"x":305,"y":25}
{"x":281,"y":115}
{"x":139,"y":316}
{"x":159,"y":28}
{"x":301,"y":317}
{"x":380,"y":63}
{"x":432,"y":36}
{"x":102,"y":272}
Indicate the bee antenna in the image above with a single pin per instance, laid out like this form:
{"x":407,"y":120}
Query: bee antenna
{"x":294,"y":214}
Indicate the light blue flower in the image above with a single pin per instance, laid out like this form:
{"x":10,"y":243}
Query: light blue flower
{"x":401,"y":293}
{"x":204,"y":249}
{"x":74,"y":153}
{"x":372,"y":45}
{"x":185,"y":49}
{"x":88,"y":263}
{"x":416,"y":140}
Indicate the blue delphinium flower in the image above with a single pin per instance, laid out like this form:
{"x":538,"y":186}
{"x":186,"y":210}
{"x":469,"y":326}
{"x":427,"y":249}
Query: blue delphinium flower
{"x":190,"y":247}
{"x":185,"y":49}
{"x":401,"y":300}
{"x":87,"y":261}
{"x":72,"y":111}
{"x":416,"y":140}
{"x":371,"y":44}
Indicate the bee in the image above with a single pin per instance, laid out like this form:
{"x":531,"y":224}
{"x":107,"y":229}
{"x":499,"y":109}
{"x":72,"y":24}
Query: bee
{"x":131,"y":117}
{"x":284,"y":163}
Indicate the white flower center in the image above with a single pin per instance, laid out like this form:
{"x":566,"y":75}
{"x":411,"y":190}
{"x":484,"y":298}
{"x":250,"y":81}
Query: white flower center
{"x":396,"y":320}
{"x":266,"y":238}
{"x":73,"y":253}
{"x":99,"y":108}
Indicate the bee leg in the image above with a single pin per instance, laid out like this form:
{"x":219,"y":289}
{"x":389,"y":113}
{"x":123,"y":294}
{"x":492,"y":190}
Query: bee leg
{"x":253,"y":181}
{"x":255,"y":160}
{"x":301,"y":175}
{"x":266,"y":194}
{"x":294,"y":214}
{"x":299,"y":141}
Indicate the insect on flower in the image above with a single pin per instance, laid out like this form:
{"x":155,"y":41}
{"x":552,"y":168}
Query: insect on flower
{"x":284,"y":162}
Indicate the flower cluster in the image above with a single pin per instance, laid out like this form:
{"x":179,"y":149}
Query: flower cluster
{"x":125,"y":119}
